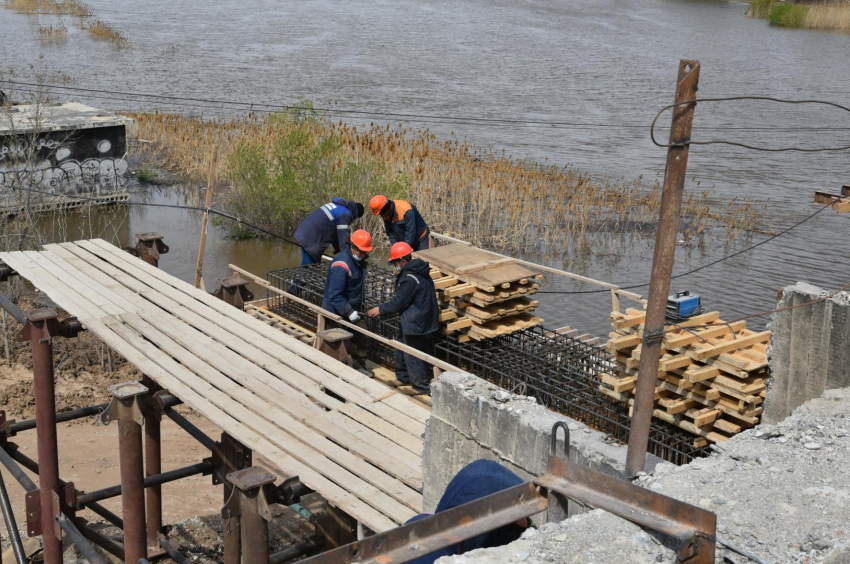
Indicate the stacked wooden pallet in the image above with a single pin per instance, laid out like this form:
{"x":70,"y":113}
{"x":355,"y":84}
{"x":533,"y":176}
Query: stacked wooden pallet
{"x":711,"y":378}
{"x":482,"y":295}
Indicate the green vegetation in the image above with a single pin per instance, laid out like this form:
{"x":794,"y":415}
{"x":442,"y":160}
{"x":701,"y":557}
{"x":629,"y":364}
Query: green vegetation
{"x":147,"y":176}
{"x":824,"y":14}
{"x":788,"y":15}
{"x":276,"y":181}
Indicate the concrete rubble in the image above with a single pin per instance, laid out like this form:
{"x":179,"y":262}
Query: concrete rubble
{"x":781,"y":492}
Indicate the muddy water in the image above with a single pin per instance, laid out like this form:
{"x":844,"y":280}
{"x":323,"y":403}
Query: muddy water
{"x":608,"y":63}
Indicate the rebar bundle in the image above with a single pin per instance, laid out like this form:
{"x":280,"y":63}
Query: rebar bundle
{"x":561,"y":372}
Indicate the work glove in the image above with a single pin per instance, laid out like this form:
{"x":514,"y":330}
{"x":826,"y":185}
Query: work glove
{"x":354,"y":317}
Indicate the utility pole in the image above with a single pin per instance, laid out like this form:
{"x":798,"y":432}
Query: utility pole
{"x":662,"y":263}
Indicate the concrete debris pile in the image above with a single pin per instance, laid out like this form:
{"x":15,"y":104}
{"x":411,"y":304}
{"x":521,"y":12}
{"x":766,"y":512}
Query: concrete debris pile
{"x":779,"y":492}
{"x":482,"y":295}
{"x":711,"y":378}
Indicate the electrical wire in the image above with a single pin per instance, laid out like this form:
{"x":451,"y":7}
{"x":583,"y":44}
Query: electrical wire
{"x":375,"y":114}
{"x":744,"y":145}
{"x":703,"y":267}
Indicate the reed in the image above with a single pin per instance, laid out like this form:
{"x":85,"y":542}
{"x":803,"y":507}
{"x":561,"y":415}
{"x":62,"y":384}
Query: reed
{"x":102,"y":31}
{"x":73,"y":8}
{"x":53,"y":33}
{"x":476,"y":194}
{"x":827,"y":14}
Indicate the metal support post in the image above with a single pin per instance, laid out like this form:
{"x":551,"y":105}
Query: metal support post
{"x":234,"y":291}
{"x":125,"y":408}
{"x":662,"y":263}
{"x":149,"y":247}
{"x":229,"y":456}
{"x":40,"y":326}
{"x":153,"y":464}
{"x":249,"y":503}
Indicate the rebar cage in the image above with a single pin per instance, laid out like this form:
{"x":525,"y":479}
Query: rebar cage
{"x":561,"y":372}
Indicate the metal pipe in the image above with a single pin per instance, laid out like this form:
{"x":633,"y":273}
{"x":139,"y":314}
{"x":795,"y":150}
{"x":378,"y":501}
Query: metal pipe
{"x":106,"y":514}
{"x":11,"y":524}
{"x":133,"y":495}
{"x":101,"y":540}
{"x":15,"y":470}
{"x":38,"y":323}
{"x":61,"y":417}
{"x":83,"y":500}
{"x":662,"y":264}
{"x":173,"y":552}
{"x":196,"y":433}
{"x":153,"y":466}
{"x":13,"y":310}
{"x":301,"y":549}
{"x":79,"y":540}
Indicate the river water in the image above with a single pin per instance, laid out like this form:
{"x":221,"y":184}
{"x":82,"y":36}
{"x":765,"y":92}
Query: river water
{"x":606,"y":67}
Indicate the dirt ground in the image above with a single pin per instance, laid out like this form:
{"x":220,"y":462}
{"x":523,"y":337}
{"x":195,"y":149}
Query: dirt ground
{"x":88,"y":452}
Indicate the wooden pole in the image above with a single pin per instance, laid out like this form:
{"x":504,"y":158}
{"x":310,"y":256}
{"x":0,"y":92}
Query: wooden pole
{"x":662,"y":264}
{"x":199,"y":280}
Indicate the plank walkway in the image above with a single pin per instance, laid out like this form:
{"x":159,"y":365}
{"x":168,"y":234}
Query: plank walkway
{"x":346,"y":436}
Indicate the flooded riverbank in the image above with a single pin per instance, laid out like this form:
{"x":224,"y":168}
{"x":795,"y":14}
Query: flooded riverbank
{"x":599,"y":70}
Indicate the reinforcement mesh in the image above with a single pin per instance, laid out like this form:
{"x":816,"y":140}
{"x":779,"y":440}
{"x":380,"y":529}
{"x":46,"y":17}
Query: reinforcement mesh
{"x":561,"y":372}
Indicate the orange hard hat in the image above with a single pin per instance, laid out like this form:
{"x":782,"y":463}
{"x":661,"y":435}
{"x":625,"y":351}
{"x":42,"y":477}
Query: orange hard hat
{"x":400,"y":250}
{"x":377,"y":203}
{"x":362,"y":240}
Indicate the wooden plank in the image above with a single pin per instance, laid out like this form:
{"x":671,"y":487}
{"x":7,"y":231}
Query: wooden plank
{"x":331,"y":491}
{"x":299,"y":451}
{"x":699,"y":373}
{"x":675,"y":341}
{"x":703,"y":352}
{"x":626,"y":342}
{"x":447,"y":315}
{"x":486,"y":265}
{"x":256,"y":398}
{"x":458,"y":290}
{"x":461,"y":323}
{"x":444,"y":282}
{"x":727,"y":427}
{"x":373,"y":447}
{"x":397,"y":410}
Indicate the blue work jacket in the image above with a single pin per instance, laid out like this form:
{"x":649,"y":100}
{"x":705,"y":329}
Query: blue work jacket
{"x":328,"y":225}
{"x":344,"y":285}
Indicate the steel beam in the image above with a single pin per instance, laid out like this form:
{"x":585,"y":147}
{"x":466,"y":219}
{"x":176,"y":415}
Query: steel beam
{"x":125,"y":408}
{"x":150,"y":482}
{"x":662,"y":263}
{"x":249,"y":502}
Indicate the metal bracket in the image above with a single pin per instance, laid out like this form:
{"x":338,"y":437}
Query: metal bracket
{"x":250,"y":480}
{"x":43,"y":324}
{"x":6,"y":430}
{"x":125,"y":400}
{"x":233,"y":290}
{"x":228,"y":456}
{"x":63,"y":503}
{"x":554,"y":445}
{"x":652,"y":337}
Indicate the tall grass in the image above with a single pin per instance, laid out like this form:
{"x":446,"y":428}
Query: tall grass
{"x":477,"y":194}
{"x":53,"y":33}
{"x":104,"y":32}
{"x":828,"y":14}
{"x":83,"y":16}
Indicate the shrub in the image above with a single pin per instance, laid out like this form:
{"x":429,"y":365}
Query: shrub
{"x":147,"y":176}
{"x":275,"y":183}
{"x":788,"y":15}
{"x":760,"y":8}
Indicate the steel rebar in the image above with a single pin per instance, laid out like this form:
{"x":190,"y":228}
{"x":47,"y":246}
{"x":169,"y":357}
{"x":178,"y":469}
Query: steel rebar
{"x":79,"y":540}
{"x":11,"y":524}
{"x":86,"y":499}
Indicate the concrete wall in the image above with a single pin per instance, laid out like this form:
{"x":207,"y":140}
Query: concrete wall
{"x":809,"y":350}
{"x":472,"y":418}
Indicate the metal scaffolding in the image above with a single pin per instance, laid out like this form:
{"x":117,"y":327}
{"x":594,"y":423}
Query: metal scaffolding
{"x":566,"y":371}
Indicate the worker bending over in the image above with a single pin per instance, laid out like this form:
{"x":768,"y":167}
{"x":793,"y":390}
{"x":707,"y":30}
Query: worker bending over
{"x":416,"y":300}
{"x":402,"y":222}
{"x":328,"y":225}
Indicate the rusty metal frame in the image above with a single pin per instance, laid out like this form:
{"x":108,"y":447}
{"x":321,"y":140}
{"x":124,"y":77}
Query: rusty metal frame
{"x":692,"y":527}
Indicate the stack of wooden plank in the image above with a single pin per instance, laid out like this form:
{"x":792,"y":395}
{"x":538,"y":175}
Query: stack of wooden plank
{"x":482,"y":295}
{"x":711,"y":378}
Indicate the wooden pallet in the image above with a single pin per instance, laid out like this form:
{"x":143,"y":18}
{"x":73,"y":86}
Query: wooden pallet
{"x":712,"y":375}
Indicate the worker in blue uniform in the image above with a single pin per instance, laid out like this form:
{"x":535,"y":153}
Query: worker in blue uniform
{"x":328,"y":225}
{"x":476,"y":480}
{"x":402,"y":222}
{"x":416,"y":301}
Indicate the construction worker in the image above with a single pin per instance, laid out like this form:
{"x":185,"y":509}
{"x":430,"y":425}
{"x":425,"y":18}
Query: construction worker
{"x":476,"y":480}
{"x":402,"y":222}
{"x":416,"y":300}
{"x":328,"y":225}
{"x":344,"y":285}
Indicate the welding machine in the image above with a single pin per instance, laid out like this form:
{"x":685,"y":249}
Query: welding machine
{"x":683,"y":305}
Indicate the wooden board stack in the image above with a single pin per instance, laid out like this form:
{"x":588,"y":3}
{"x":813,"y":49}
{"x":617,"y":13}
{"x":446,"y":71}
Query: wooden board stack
{"x":711,"y":378}
{"x":482,"y":295}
